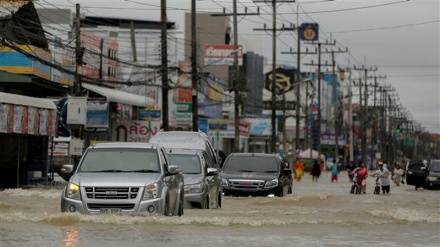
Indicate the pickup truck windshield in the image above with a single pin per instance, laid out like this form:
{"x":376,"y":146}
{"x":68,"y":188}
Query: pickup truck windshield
{"x":251,"y":164}
{"x":120,"y":160}
{"x":188,"y":163}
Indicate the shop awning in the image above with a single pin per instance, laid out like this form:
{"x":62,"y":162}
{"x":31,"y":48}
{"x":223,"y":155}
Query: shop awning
{"x":118,"y":96}
{"x":15,"y":99}
{"x":27,"y":115}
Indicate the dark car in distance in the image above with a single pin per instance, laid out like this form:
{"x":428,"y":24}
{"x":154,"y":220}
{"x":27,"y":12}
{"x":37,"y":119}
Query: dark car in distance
{"x":416,"y":175}
{"x":433,"y":175}
{"x":255,"y":174}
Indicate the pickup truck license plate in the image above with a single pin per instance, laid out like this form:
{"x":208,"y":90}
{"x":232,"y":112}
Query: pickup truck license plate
{"x":246,"y":184}
{"x":110,"y":210}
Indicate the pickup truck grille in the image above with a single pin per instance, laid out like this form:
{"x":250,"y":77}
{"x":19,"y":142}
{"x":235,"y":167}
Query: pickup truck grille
{"x":246,"y":184}
{"x":111,"y":192}
{"x":121,"y":206}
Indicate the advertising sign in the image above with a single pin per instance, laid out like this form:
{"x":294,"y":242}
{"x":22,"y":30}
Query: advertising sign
{"x":222,"y":54}
{"x":225,"y":128}
{"x":260,"y":126}
{"x":97,"y":114}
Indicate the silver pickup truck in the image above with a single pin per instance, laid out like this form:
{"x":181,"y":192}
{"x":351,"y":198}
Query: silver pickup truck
{"x":127,"y":178}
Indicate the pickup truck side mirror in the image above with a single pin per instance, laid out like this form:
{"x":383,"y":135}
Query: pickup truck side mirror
{"x":67,"y":169}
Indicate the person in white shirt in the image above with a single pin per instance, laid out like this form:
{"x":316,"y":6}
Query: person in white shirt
{"x":383,"y":174}
{"x":397,"y":174}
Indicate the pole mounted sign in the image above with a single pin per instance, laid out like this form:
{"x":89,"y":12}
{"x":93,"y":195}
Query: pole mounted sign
{"x":283,"y":81}
{"x":309,"y":31}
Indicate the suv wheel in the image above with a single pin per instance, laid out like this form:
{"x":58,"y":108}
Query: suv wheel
{"x":205,"y":204}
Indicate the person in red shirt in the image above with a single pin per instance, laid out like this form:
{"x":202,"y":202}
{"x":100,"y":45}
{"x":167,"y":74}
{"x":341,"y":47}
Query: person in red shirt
{"x":298,"y":169}
{"x":362,"y":174}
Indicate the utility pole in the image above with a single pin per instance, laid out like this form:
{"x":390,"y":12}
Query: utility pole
{"x":376,"y":116}
{"x":164,"y":67}
{"x":364,"y":112}
{"x":319,"y":89}
{"x":298,"y":84}
{"x":237,"y":79}
{"x":194,"y":74}
{"x":274,"y":61}
{"x":78,"y":53}
{"x":133,"y":41}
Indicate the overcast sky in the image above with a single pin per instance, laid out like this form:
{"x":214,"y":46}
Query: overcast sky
{"x":401,"y":38}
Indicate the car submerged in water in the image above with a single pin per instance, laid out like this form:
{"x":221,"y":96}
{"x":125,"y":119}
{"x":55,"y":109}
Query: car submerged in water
{"x":124,"y":178}
{"x":203,"y":184}
{"x":255,"y":174}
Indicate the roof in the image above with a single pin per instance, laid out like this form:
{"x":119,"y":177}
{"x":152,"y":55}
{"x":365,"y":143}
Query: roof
{"x":126,"y":145}
{"x":118,"y":96}
{"x":16,"y":99}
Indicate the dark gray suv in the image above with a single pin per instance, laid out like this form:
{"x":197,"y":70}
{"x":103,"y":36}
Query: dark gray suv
{"x":255,"y":174}
{"x":203,"y":184}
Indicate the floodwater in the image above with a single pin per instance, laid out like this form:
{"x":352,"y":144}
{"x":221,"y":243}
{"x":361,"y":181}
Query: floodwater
{"x":316,"y":214}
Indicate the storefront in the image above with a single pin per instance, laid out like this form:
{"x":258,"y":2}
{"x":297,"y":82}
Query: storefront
{"x":26,"y":124}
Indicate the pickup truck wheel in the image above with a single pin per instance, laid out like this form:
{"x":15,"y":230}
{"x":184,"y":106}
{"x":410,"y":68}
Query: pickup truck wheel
{"x":166,"y":210}
{"x":180,"y":213}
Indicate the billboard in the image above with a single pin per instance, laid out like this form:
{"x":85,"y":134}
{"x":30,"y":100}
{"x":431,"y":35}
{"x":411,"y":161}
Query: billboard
{"x":222,"y":54}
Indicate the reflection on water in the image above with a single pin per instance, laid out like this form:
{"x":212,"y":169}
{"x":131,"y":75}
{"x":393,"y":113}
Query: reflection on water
{"x":71,"y":237}
{"x":322,"y":214}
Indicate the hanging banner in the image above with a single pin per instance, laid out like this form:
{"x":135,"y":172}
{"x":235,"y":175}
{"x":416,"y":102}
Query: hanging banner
{"x":4,"y":110}
{"x":18,"y":119}
{"x":32,"y":116}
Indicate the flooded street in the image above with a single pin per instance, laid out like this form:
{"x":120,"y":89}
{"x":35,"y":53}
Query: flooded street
{"x":322,"y":214}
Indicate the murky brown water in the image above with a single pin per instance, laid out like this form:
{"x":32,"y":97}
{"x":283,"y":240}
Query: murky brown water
{"x":322,"y":214}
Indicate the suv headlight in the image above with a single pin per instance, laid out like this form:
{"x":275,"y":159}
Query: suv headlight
{"x":225,"y":182}
{"x":150,"y":192}
{"x":431,"y":178}
{"x":271,"y":183}
{"x":194,"y":188}
{"x":72,"y":191}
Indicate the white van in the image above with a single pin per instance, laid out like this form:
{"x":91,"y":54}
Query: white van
{"x":187,"y":140}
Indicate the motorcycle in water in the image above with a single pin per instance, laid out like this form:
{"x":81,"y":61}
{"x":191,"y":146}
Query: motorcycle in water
{"x":355,"y":189}
{"x":377,"y":186}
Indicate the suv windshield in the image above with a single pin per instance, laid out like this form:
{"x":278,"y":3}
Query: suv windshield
{"x":189,"y":164}
{"x":251,"y":164}
{"x":435,"y":166}
{"x":120,"y":160}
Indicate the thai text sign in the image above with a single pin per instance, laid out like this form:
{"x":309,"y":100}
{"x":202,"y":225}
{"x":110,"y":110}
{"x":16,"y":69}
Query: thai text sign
{"x":134,"y":131}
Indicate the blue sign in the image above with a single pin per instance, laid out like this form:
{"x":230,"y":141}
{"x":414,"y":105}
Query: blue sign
{"x":309,"y":31}
{"x":203,"y":125}
{"x":218,"y":126}
{"x":149,"y":114}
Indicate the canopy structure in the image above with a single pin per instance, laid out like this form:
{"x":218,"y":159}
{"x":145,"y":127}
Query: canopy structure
{"x":313,"y":155}
{"x":118,"y":96}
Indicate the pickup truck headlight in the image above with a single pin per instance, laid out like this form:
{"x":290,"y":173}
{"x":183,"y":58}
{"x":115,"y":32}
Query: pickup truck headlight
{"x":150,"y":192}
{"x":225,"y":182}
{"x":271,"y":183}
{"x":431,"y":178}
{"x":72,"y":191}
{"x":194,"y":188}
